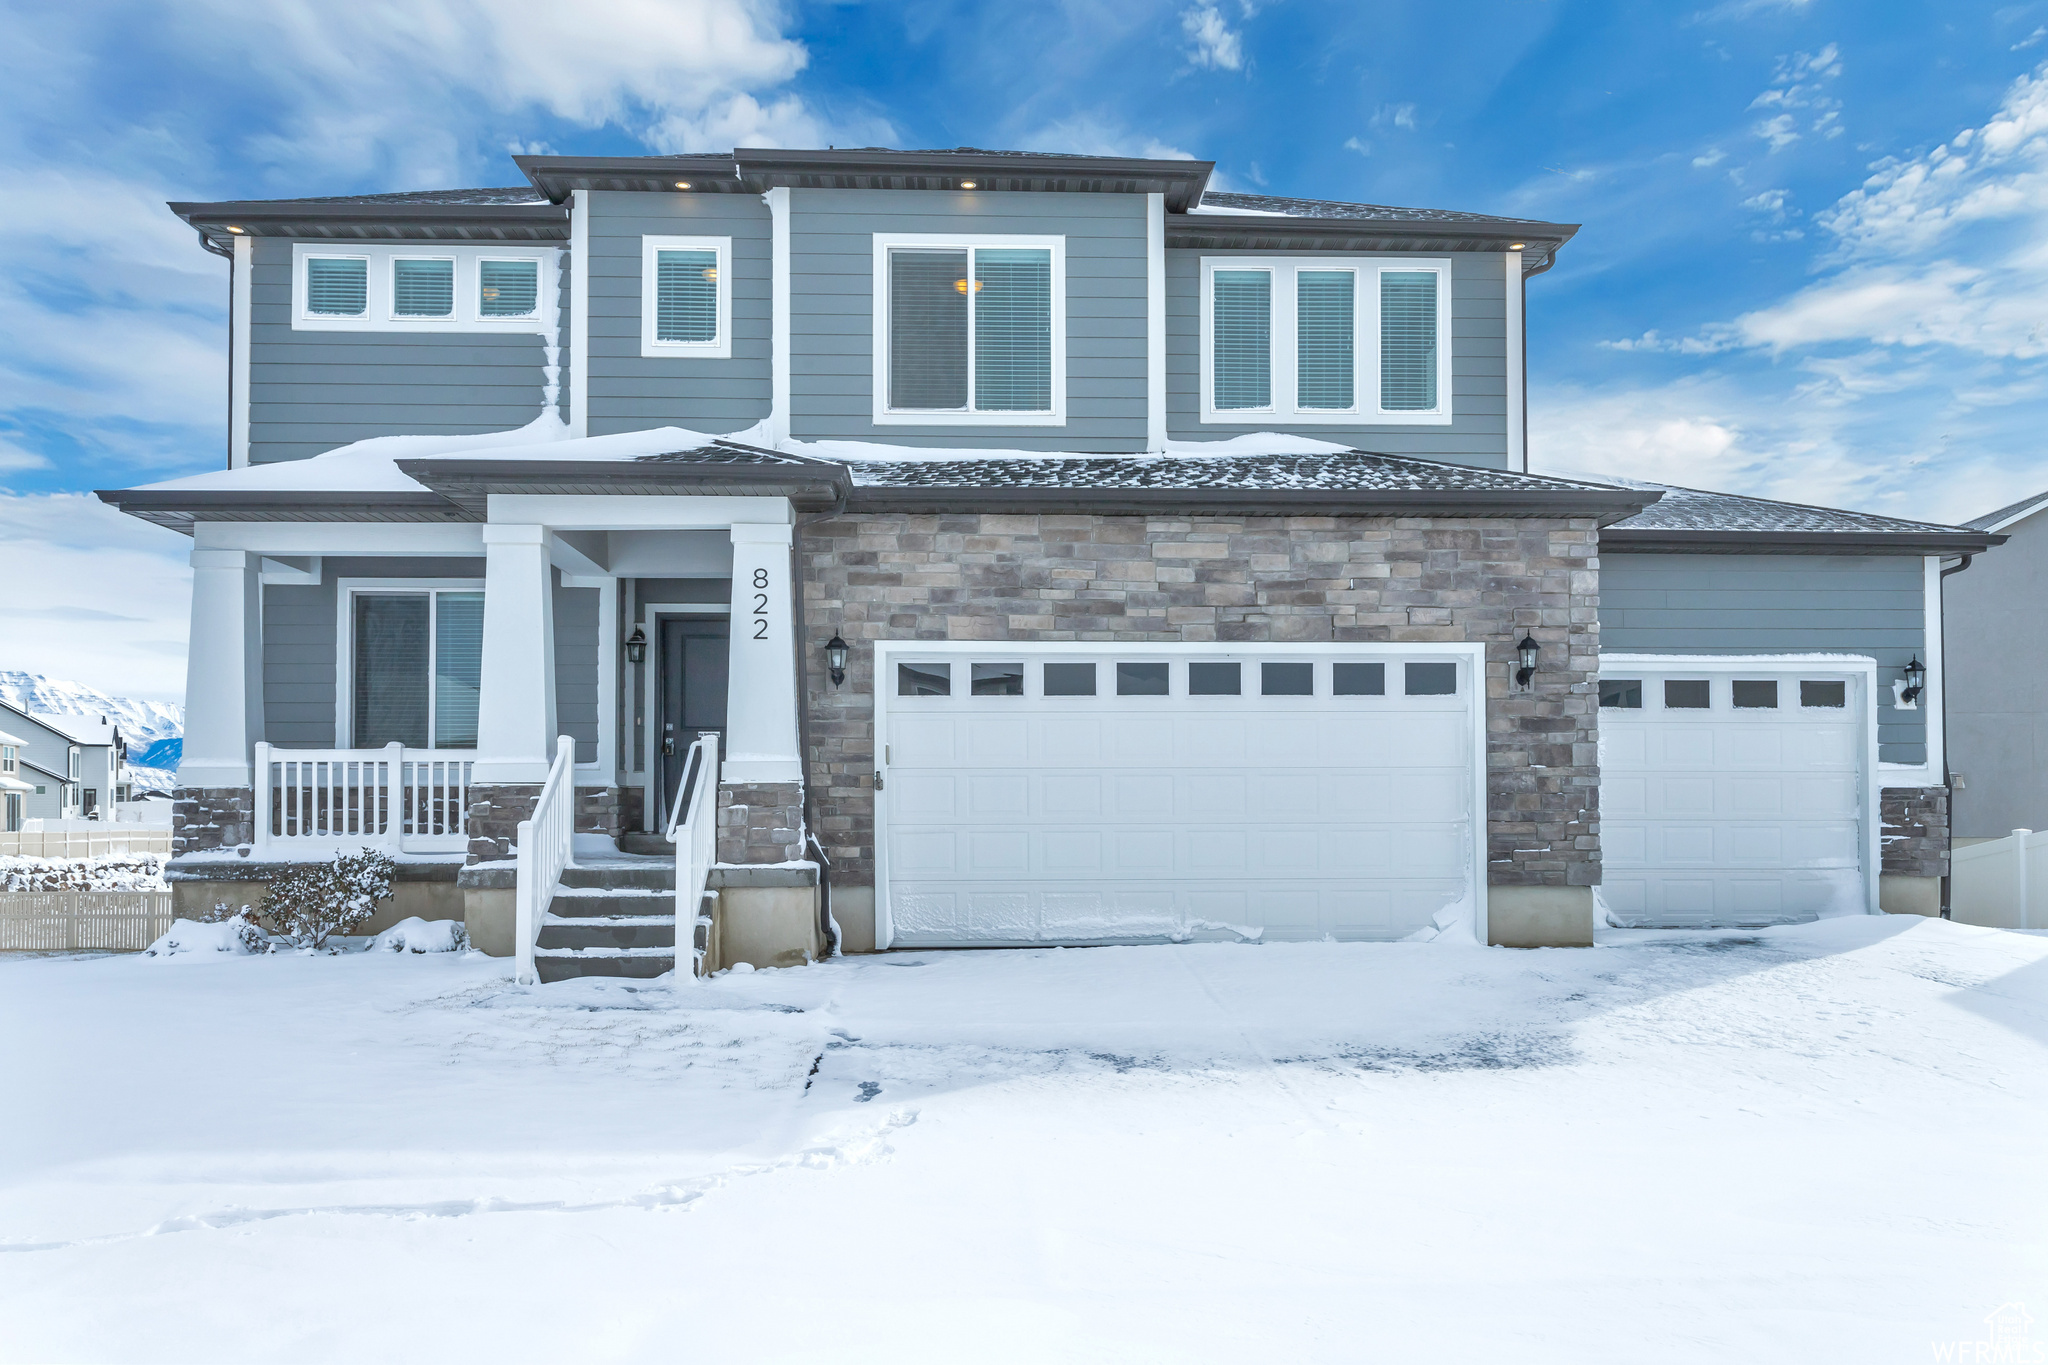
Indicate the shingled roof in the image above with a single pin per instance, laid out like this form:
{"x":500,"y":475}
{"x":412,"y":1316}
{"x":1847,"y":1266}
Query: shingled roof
{"x":1699,"y":520}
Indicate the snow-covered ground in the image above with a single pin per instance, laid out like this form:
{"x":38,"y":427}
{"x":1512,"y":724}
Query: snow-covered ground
{"x":1823,"y":1142}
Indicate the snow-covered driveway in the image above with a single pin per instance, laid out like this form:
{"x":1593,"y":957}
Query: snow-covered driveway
{"x":1821,"y":1142}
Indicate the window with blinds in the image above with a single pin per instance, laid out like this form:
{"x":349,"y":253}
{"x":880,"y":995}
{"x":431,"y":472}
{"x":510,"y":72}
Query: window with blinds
{"x":337,"y":287}
{"x":507,"y":289}
{"x":422,"y":288}
{"x":686,"y":296}
{"x":417,"y":667}
{"x":970,"y":329}
{"x":458,"y":667}
{"x":1325,"y":342}
{"x":1408,"y":341}
{"x":1242,"y":322}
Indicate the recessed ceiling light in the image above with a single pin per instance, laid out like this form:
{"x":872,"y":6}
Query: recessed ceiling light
{"x":1516,"y":246}
{"x":232,"y":228}
{"x":682,"y":184}
{"x":967,"y":184}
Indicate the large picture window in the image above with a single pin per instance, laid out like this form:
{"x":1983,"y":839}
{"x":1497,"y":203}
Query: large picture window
{"x":686,"y":297}
{"x":1288,"y":341}
{"x":415,"y":662}
{"x":970,"y":331}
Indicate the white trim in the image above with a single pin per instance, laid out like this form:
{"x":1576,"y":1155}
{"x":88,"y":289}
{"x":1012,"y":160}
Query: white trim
{"x":1861,"y":666}
{"x":1934,"y":772}
{"x":1518,"y":392}
{"x":462,"y":539}
{"x":1471,"y":687}
{"x":379,"y":313}
{"x":241,"y":308}
{"x":2027,"y":509}
{"x":651,"y":814}
{"x":1283,"y":365}
{"x":653,"y":512}
{"x":345,"y":590}
{"x":720,"y":346}
{"x":777,"y":200}
{"x":579,"y":313}
{"x":1155,"y":323}
{"x":282,"y":574}
{"x":884,"y":415}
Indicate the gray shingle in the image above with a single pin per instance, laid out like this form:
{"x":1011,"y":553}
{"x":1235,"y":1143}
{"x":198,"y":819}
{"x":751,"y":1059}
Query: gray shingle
{"x":1326,"y":208}
{"x":2011,"y":509}
{"x":1694,"y":509}
{"x":1346,"y":470}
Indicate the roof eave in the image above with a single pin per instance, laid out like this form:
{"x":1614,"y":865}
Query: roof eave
{"x":464,"y":481}
{"x":1652,"y":540}
{"x":179,"y":509}
{"x":1514,"y":503}
{"x":496,"y":222}
{"x":1539,"y":242}
{"x":558,"y":176}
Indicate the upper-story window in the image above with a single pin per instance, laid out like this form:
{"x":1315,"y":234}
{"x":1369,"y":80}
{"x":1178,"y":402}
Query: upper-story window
{"x":10,"y":758}
{"x":686,"y":297}
{"x":970,"y":330}
{"x":73,"y":762}
{"x":1292,"y":340}
{"x":420,"y":288}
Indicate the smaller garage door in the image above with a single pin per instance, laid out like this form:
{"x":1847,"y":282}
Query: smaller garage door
{"x":1733,"y":793}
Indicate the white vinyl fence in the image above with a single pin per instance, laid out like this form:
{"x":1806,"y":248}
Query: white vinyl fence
{"x":107,"y":841}
{"x":2001,"y":884}
{"x":56,"y":921}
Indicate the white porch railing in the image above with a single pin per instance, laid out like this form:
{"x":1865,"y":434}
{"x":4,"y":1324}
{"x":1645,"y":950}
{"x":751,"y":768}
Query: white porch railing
{"x":545,"y":845}
{"x":693,"y":829}
{"x":2002,"y":883}
{"x":314,"y":800}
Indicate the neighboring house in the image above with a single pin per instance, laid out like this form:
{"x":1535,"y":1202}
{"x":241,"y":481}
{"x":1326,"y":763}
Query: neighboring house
{"x":15,"y":788}
{"x":1998,"y":701}
{"x":73,"y":763}
{"x":1190,"y":571}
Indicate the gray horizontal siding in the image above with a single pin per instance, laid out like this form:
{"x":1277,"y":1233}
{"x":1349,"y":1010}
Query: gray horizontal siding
{"x":1477,"y":433}
{"x":832,"y":359}
{"x":632,"y":392}
{"x":576,"y":635}
{"x":312,"y":391}
{"x":300,"y":634}
{"x":1776,"y":604}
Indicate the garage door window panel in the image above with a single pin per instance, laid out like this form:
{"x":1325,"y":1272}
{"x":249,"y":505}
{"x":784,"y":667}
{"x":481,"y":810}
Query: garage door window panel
{"x":1621,"y":694}
{"x":998,"y":680}
{"x":1141,"y":680}
{"x":1215,"y":679}
{"x":1431,"y":680}
{"x":1358,"y":680}
{"x":924,"y":680}
{"x":1069,"y":680}
{"x":1687,"y":694}
{"x":1830,"y":695}
{"x":1755,"y":694}
{"x":1290,"y":679}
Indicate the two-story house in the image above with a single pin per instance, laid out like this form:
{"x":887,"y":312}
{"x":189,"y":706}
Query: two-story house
{"x":1060,"y":551}
{"x":72,"y":765}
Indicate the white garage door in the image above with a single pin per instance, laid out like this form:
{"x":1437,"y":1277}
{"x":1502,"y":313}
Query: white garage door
{"x":1064,"y":797}
{"x":1733,"y":793}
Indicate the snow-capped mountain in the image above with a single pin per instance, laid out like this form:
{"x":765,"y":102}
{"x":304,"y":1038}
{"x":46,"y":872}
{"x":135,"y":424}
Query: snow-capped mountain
{"x":155,"y":731}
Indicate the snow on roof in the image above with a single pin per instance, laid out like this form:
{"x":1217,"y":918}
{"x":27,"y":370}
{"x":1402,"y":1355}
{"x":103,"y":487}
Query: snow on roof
{"x":6,"y":738}
{"x":80,"y":729}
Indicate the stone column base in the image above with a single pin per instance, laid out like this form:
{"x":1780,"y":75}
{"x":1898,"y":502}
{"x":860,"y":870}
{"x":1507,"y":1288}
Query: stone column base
{"x":494,"y":816}
{"x":204,"y":818}
{"x":760,"y":822}
{"x":1539,"y":916}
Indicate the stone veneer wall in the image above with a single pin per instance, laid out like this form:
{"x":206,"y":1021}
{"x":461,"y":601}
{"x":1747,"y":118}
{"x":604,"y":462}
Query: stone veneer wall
{"x":1230,"y":579}
{"x":1913,"y":840}
{"x":760,"y":822}
{"x":204,"y":818}
{"x":495,"y":813}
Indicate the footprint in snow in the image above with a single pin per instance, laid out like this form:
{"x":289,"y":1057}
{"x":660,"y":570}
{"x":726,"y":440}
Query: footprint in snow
{"x":868,"y":1090}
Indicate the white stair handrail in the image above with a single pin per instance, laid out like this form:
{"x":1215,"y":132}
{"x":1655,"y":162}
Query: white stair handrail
{"x":543,"y":850}
{"x":692,"y":828}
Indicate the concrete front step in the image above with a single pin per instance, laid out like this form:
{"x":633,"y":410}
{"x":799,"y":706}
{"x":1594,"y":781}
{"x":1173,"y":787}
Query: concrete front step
{"x":647,"y":845}
{"x":603,"y":904}
{"x":640,"y":965}
{"x":636,"y":932}
{"x":650,"y":874}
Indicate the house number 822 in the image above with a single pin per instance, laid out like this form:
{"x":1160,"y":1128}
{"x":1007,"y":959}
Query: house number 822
{"x":760,"y":605}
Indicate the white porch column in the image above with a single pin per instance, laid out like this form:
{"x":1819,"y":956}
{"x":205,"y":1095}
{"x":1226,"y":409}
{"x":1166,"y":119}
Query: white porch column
{"x":760,"y":703}
{"x":515,"y":720}
{"x":224,"y":671}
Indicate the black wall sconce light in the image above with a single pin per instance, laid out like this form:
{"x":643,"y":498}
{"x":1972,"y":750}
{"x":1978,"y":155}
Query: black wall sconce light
{"x":636,"y":646}
{"x":835,"y":658}
{"x":1527,"y":652}
{"x":1916,"y":679}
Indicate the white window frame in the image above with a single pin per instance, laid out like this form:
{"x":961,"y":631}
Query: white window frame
{"x":346,"y":592}
{"x":884,"y":415}
{"x":1284,"y":360}
{"x":10,"y":758}
{"x":719,"y":347}
{"x":380,"y":313}
{"x":391,"y":287}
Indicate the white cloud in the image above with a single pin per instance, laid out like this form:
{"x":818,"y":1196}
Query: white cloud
{"x":1777,"y":131}
{"x":1394,"y":116}
{"x":1352,"y":144}
{"x":1215,"y":44}
{"x":2032,"y":39}
{"x":1091,"y":135}
{"x":1713,"y":156}
{"x":61,"y":556}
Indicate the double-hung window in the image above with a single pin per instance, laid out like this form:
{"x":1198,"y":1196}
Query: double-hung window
{"x":1293,"y":340}
{"x":414,"y":662}
{"x":970,"y":330}
{"x":686,"y":297}
{"x":430,"y":287}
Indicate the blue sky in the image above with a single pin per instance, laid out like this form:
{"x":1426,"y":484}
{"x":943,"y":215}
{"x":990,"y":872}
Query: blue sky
{"x":1811,"y":267}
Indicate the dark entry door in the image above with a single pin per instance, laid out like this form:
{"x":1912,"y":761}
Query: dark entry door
{"x":693,"y":671}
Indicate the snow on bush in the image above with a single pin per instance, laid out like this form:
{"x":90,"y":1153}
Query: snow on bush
{"x":416,"y":935}
{"x":195,"y":940}
{"x":308,"y":904}
{"x":142,"y":872}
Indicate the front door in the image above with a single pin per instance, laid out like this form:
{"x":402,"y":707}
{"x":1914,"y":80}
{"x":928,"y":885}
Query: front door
{"x":693,"y":676}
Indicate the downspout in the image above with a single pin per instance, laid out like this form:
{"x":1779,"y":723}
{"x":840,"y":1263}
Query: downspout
{"x":827,"y":926}
{"x":1947,"y":777}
